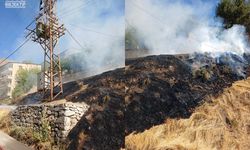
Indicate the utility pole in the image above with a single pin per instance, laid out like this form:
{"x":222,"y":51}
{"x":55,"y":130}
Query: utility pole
{"x":47,"y":33}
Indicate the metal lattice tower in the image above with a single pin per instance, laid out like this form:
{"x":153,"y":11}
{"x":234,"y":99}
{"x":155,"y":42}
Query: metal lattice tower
{"x":47,"y":33}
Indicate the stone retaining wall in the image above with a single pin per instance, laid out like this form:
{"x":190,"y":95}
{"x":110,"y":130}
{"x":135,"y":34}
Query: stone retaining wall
{"x":61,"y":118}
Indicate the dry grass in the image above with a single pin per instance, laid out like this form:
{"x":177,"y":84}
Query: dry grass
{"x":24,"y":135}
{"x":222,"y":124}
{"x":81,"y":140}
{"x":5,"y":120}
{"x":3,"y":113}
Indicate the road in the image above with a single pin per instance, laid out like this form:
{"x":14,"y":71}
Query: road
{"x":9,"y":143}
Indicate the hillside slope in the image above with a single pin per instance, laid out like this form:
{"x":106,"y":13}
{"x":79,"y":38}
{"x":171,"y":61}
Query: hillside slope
{"x":160,"y":87}
{"x":154,"y":87}
{"x":223,"y":123}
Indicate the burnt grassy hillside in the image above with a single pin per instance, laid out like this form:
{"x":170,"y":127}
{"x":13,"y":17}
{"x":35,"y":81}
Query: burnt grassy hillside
{"x":221,"y":123}
{"x":155,"y":88}
{"x":102,"y":127}
{"x":161,"y":87}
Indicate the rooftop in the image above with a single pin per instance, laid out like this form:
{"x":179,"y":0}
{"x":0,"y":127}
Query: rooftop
{"x":15,"y":62}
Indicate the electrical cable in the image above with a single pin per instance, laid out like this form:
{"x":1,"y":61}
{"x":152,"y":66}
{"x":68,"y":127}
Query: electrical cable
{"x":71,"y":35}
{"x":91,"y":30}
{"x":62,"y":10}
{"x":17,"y":49}
{"x":74,"y":10}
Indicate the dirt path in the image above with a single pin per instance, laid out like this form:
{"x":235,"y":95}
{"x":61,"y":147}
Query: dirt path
{"x":9,"y":143}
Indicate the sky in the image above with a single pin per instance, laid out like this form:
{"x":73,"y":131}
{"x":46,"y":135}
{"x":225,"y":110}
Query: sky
{"x":94,"y":23}
{"x":13,"y":23}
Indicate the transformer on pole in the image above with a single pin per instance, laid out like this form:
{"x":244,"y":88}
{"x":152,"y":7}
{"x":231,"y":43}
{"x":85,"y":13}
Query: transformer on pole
{"x":47,"y":33}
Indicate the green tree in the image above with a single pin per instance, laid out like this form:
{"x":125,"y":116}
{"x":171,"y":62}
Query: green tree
{"x":26,"y":79}
{"x":65,"y":64}
{"x":74,"y":63}
{"x":234,"y":12}
{"x":131,"y":40}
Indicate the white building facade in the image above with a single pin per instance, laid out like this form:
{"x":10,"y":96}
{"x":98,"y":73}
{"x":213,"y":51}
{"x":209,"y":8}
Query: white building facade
{"x":8,"y":73}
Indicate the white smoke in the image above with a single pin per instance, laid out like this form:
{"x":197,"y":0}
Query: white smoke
{"x":98,"y":25}
{"x":171,"y":27}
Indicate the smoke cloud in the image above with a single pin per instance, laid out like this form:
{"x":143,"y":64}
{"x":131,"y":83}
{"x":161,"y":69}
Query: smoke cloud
{"x":98,"y":25}
{"x":173,"y":27}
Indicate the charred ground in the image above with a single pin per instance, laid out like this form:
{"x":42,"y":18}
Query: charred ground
{"x":161,"y":87}
{"x":155,"y":88}
{"x":102,"y":127}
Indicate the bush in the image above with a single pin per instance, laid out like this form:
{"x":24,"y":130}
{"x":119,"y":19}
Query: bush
{"x":38,"y":138}
{"x":226,"y":70}
{"x":26,"y":79}
{"x":203,"y":73}
{"x":132,"y":39}
{"x":74,"y":63}
{"x":234,"y":12}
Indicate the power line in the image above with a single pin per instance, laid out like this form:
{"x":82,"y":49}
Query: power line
{"x":91,"y":30}
{"x":17,"y":49}
{"x":75,"y":39}
{"x":65,"y":50}
{"x":74,"y":10}
{"x":31,"y":22}
{"x":147,"y":12}
{"x":62,"y":10}
{"x":66,"y":11}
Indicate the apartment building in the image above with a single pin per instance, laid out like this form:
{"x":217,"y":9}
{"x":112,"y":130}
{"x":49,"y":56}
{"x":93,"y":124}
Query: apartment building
{"x":8,"y":74}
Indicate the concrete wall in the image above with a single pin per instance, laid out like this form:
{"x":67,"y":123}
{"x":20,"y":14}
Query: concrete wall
{"x":61,"y":117}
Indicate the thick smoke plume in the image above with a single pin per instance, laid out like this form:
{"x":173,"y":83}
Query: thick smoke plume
{"x":97,"y":26}
{"x":172,"y":27}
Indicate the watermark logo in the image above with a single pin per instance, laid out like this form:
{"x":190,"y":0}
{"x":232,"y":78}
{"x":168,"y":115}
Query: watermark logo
{"x":15,"y":3}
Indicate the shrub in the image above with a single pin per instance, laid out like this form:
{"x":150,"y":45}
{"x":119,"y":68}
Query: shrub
{"x":226,"y":70}
{"x":234,"y":12}
{"x":203,"y":73}
{"x":26,"y":79}
{"x":39,"y":138}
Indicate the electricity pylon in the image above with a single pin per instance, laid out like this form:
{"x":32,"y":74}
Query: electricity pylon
{"x":47,"y":33}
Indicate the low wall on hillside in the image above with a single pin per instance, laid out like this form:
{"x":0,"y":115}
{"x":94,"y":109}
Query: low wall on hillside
{"x":59,"y":118}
